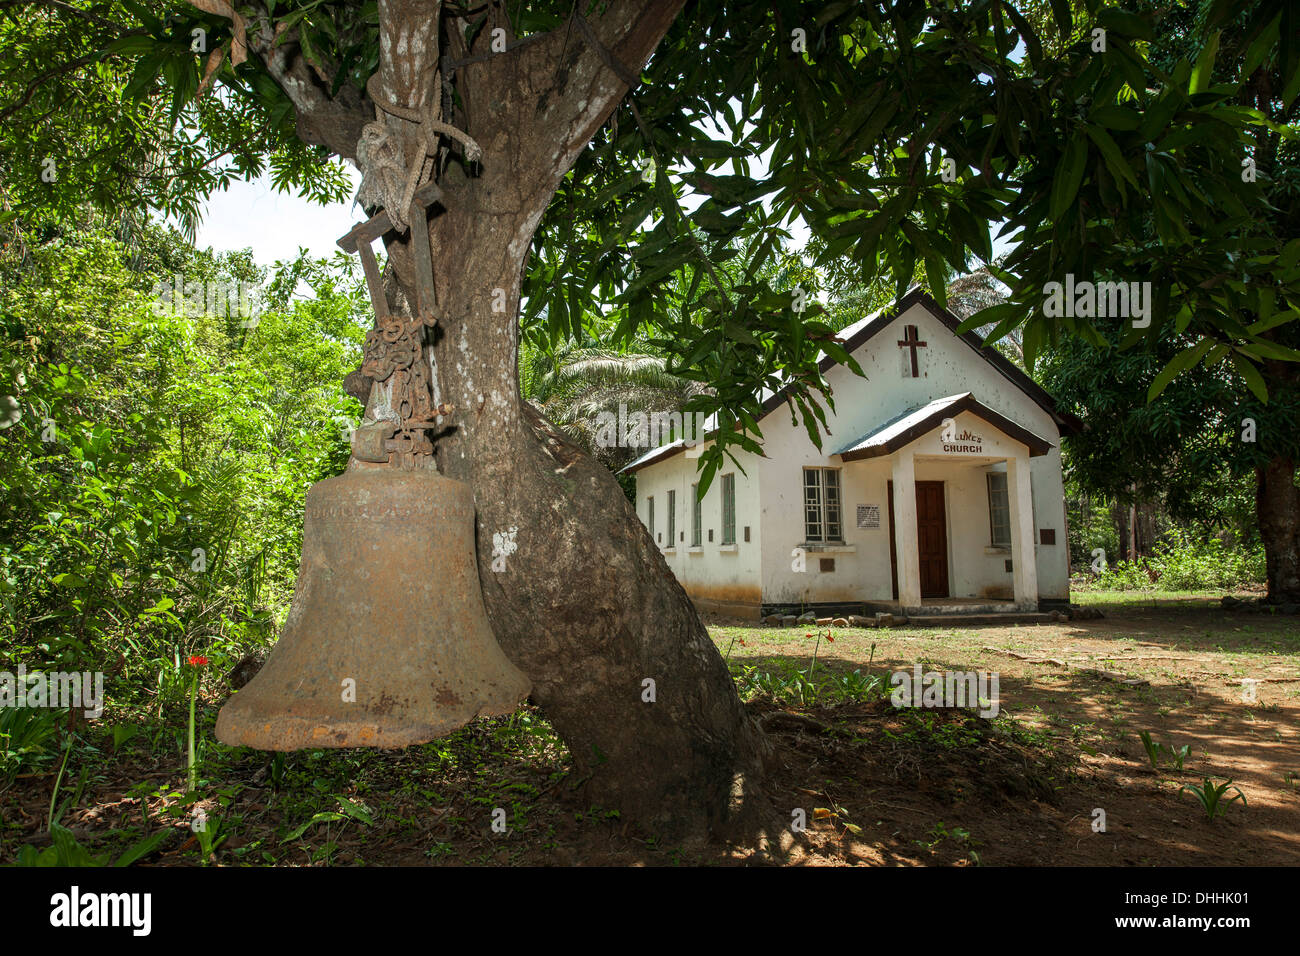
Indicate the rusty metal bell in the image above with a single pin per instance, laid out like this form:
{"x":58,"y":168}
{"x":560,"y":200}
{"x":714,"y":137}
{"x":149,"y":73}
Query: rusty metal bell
{"x":387,"y":642}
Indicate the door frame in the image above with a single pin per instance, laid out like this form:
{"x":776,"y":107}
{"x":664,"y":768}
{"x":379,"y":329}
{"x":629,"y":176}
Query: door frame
{"x":893,"y":550}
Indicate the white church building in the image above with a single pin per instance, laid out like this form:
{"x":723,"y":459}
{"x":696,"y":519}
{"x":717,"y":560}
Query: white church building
{"x":937,"y":489}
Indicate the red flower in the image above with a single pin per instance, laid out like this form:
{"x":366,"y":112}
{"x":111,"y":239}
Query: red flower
{"x":829,"y":639}
{"x":742,"y":642}
{"x":197,"y":661}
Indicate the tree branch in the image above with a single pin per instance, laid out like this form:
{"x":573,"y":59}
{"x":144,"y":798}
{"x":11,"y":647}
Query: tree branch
{"x":53,"y":72}
{"x":550,"y":94}
{"x":334,"y":123}
{"x":614,"y":48}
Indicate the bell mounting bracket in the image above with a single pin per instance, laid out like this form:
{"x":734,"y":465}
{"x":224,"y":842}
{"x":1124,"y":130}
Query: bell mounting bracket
{"x":394,"y":349}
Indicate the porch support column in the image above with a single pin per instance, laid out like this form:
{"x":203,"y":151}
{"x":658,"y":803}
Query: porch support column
{"x":905,"y":539}
{"x":1024,"y":563}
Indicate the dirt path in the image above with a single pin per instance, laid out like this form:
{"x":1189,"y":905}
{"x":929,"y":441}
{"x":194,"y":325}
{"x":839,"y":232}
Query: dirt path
{"x":1192,"y":657}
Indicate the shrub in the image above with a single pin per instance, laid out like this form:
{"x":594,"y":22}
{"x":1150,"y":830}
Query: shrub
{"x":1182,"y":562}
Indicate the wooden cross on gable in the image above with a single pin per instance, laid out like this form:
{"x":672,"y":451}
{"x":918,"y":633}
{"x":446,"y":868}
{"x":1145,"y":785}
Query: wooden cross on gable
{"x":911,"y":340}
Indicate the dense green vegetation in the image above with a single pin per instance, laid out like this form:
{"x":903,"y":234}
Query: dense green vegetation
{"x":154,"y":476}
{"x":1181,"y":562}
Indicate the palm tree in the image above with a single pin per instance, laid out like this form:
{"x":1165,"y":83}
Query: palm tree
{"x":977,"y":290}
{"x":575,"y":384}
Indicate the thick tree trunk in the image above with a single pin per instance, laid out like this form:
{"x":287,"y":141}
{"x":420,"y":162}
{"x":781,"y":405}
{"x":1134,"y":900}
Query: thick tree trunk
{"x":586,"y":606}
{"x":1277,"y":507}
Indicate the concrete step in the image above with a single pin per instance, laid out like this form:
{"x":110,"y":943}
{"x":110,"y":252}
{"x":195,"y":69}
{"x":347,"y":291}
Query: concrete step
{"x":960,"y":620}
{"x":929,"y":610}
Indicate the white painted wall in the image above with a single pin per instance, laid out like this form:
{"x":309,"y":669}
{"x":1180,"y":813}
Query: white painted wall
{"x":713,"y":572}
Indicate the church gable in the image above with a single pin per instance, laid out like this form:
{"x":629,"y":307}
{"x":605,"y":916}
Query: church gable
{"x":916,"y":341}
{"x":911,"y":354}
{"x":905,"y":347}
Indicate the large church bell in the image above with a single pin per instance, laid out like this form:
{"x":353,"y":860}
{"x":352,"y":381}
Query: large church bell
{"x":387,"y":641}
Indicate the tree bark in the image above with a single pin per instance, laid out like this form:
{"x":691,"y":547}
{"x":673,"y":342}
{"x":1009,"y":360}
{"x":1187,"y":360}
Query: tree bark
{"x":620,"y":662}
{"x":1277,"y":507}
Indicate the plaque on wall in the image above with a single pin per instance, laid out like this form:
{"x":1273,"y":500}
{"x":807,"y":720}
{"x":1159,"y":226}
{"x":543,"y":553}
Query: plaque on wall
{"x":868,"y":516}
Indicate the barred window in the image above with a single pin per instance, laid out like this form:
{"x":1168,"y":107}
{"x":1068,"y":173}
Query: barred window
{"x":729,"y":509}
{"x":822,"y":510}
{"x":697,"y":518}
{"x":999,"y":510}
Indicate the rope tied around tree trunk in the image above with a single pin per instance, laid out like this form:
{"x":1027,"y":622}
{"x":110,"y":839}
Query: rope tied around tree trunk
{"x":385,"y":179}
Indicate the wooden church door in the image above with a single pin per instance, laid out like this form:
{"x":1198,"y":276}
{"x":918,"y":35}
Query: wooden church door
{"x":932,"y":540}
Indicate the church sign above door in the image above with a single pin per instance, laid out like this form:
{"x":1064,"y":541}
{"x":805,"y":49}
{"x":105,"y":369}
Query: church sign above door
{"x":966,"y":442}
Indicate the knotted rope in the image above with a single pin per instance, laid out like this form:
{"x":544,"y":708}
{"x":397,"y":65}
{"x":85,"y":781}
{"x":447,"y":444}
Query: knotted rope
{"x":385,"y":180}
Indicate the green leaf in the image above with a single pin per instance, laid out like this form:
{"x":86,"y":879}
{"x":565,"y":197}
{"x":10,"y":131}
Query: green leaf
{"x":1006,"y":314}
{"x":1065,"y":185}
{"x":146,"y":72}
{"x":1290,"y":256}
{"x":140,"y":849}
{"x":1254,"y":381}
{"x":1292,"y":88}
{"x":131,"y":46}
{"x":1116,"y":117}
{"x":1263,"y":348}
{"x":936,"y":279}
{"x":709,"y":468}
{"x":1204,"y":64}
{"x":1126,"y":23}
{"x":1064,"y":19}
{"x":1180,"y":363}
{"x":1110,"y":152}
{"x":355,"y":810}
{"x":1031,"y":339}
{"x":325,"y":817}
{"x":1260,"y":48}
{"x":69,"y":851}
{"x":1027,"y":34}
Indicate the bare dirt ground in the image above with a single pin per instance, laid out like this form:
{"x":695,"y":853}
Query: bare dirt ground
{"x":1083,"y":752}
{"x":877,"y":785}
